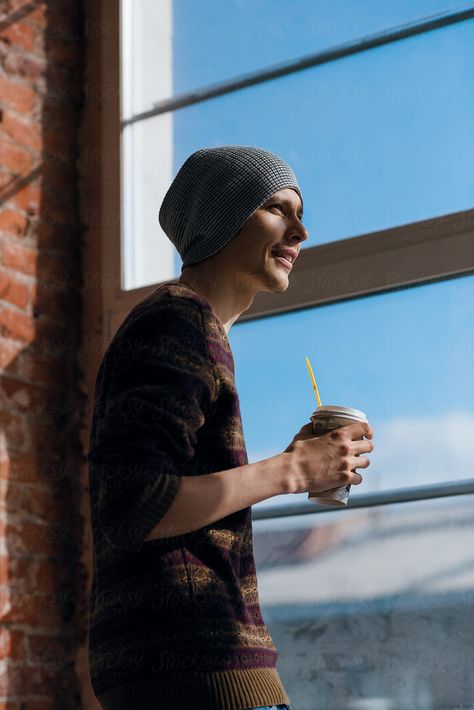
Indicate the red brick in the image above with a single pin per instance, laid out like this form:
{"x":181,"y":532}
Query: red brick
{"x":12,"y":498}
{"x":16,"y":574}
{"x":17,"y":96}
{"x":9,"y":352}
{"x":27,"y":575}
{"x":33,"y":608}
{"x":16,"y":325}
{"x":15,"y":291}
{"x":44,"y":575}
{"x":18,"y":256}
{"x":19,"y":468}
{"x":4,"y":571}
{"x":15,"y":430}
{"x":45,"y":504}
{"x":26,"y":134}
{"x":43,"y":366}
{"x":27,"y":398}
{"x":12,"y":644}
{"x":38,"y":17}
{"x":19,"y":34}
{"x":13,"y":222}
{"x":28,"y":198}
{"x":14,"y":159}
{"x":46,"y":436}
{"x":33,"y":468}
{"x":25,"y":66}
{"x":38,"y":539}
{"x":48,"y":649}
{"x":23,"y":680}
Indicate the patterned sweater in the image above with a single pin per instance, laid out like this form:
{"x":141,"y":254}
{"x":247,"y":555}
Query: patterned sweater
{"x":174,"y":622}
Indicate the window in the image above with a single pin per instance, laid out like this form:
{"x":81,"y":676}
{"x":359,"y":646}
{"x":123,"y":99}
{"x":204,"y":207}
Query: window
{"x":383,"y":150}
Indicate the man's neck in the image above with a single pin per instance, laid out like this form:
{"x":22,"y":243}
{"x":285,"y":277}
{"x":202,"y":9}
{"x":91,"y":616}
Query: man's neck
{"x":227,"y":298}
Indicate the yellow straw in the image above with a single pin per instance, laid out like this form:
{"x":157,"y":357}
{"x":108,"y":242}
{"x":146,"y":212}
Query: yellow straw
{"x":315,"y":387}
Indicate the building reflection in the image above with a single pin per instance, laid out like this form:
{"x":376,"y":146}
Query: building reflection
{"x":372,"y":609}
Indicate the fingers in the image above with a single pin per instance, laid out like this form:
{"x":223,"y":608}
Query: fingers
{"x":360,"y":462}
{"x":364,"y":446}
{"x":359,"y":429}
{"x":355,"y":478}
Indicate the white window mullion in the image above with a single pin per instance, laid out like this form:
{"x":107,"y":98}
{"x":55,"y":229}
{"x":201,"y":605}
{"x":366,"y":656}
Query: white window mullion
{"x":147,"y":146}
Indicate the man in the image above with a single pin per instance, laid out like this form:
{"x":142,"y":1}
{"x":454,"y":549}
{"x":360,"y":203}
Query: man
{"x":175,"y":615}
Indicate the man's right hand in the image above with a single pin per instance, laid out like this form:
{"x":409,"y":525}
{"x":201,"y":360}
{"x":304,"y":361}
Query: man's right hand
{"x":319,"y":463}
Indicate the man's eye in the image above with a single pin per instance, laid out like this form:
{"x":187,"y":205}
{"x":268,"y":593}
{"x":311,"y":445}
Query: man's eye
{"x":278,"y":205}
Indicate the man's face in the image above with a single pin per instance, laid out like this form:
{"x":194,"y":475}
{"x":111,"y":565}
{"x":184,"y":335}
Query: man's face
{"x":256,"y":254}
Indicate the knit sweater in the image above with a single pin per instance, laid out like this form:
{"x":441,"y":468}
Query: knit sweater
{"x":174,"y":622}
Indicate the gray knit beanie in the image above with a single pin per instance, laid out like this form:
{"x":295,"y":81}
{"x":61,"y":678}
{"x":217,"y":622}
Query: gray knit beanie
{"x":215,"y":192}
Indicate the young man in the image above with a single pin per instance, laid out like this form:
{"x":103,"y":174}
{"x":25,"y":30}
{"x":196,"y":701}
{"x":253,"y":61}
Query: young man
{"x":175,"y":616}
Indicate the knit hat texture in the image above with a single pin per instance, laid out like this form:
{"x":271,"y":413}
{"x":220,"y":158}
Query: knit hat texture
{"x":213,"y":194}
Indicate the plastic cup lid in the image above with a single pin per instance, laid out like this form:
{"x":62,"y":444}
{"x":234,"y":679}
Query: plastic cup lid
{"x":337,"y":410}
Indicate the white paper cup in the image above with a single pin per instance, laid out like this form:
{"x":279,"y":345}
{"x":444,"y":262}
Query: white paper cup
{"x":325,"y":419}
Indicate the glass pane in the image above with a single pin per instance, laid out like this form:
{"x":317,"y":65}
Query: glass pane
{"x":148,"y":256}
{"x":377,"y":140}
{"x":372,"y":609}
{"x":146,"y":33}
{"x":214,"y":41}
{"x":404,"y":358}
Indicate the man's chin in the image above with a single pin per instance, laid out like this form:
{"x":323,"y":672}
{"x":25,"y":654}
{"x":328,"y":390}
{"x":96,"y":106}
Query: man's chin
{"x":281,"y":288}
{"x":277,"y":285}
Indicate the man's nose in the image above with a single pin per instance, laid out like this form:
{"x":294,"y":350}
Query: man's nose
{"x":299,"y":233}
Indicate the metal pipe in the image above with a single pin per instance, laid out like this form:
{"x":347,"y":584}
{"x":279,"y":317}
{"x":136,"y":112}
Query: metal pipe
{"x":433,"y":22}
{"x":369,"y":500}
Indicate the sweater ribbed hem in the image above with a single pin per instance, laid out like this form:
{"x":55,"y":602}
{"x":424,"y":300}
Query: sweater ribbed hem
{"x":226,"y":690}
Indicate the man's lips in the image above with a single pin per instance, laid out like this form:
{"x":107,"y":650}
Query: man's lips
{"x":283,"y":261}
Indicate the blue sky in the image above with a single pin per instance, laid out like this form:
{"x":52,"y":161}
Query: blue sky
{"x":376,"y":140}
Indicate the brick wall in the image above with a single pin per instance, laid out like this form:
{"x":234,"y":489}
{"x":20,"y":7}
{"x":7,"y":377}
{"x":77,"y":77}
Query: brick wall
{"x":42,"y":577}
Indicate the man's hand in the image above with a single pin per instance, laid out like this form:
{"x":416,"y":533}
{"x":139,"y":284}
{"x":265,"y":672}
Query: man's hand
{"x":319,"y":463}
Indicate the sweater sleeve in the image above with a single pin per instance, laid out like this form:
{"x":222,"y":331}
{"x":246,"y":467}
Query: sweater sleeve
{"x":154,"y":394}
